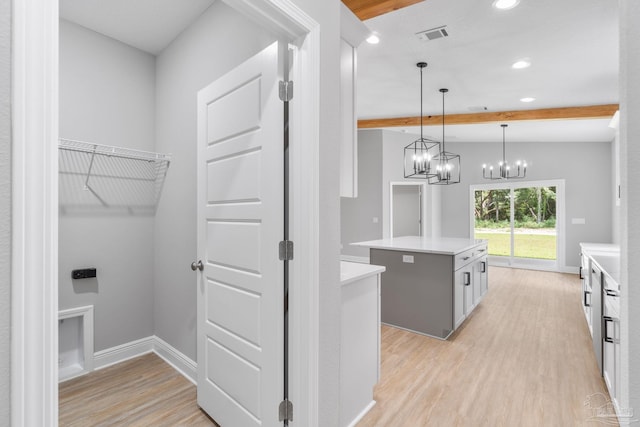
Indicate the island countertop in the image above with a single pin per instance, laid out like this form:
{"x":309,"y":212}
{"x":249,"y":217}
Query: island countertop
{"x":434,"y":245}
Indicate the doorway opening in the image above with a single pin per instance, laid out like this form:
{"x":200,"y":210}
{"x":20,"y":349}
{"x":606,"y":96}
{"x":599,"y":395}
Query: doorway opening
{"x":407,"y":211}
{"x":522,"y":222}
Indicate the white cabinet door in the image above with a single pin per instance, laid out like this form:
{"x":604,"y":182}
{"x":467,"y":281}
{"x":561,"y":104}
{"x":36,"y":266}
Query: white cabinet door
{"x":467,"y":282}
{"x":484,"y":276}
{"x":239,"y":224}
{"x":348,"y":120}
{"x":458,"y":298}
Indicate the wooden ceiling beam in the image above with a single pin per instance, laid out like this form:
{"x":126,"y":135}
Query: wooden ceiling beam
{"x":564,"y":113}
{"x":366,"y":9}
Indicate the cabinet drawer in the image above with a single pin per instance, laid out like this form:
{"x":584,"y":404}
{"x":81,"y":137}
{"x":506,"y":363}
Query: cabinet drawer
{"x":468,"y":256}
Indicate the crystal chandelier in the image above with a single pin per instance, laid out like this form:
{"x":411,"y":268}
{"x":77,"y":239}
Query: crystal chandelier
{"x":446,"y":165}
{"x":504,"y":169}
{"x":418,"y":154}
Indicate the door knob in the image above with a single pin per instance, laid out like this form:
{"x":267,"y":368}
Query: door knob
{"x":197,"y":266}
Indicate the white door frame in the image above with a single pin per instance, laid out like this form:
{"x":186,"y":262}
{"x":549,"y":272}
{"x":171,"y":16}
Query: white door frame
{"x":423,"y":204}
{"x":34,"y":250}
{"x":560,"y":264}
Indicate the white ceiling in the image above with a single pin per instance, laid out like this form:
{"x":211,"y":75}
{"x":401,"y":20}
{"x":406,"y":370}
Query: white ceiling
{"x":148,"y":25}
{"x":573,"y":46}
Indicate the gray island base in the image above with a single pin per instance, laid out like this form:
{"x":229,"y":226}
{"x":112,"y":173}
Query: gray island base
{"x":430,"y":285}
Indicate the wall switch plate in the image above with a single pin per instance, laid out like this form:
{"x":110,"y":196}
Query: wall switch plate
{"x":578,"y":221}
{"x":83,"y":273}
{"x":407,"y":258}
{"x":375,"y":219}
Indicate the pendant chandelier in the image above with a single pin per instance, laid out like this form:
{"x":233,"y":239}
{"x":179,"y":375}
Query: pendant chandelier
{"x":504,"y":169}
{"x":418,"y":154}
{"x":446,"y":165}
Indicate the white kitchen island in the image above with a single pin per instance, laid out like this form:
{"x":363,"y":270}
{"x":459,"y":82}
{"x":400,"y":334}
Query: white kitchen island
{"x":430,"y":285}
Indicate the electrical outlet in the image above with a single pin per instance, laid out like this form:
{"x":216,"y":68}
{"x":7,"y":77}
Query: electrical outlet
{"x":407,"y":258}
{"x":83,"y":273}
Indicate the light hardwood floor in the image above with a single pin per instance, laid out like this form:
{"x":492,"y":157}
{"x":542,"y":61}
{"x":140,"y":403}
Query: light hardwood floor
{"x":523,"y":358}
{"x":144,"y":391}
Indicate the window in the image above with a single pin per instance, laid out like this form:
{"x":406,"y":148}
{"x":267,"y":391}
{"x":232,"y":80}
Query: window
{"x":521,"y":221}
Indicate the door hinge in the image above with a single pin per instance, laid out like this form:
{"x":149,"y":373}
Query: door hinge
{"x":285,"y":250}
{"x":286,"y":90}
{"x":285,"y":410}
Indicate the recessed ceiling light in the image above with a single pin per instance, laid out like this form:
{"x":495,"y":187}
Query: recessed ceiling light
{"x":527,"y":99}
{"x":505,"y":4}
{"x":373,"y":39}
{"x":522,"y":63}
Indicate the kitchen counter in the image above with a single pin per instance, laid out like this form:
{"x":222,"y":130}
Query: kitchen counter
{"x":436,"y":245}
{"x":353,"y":271}
{"x":609,"y":264}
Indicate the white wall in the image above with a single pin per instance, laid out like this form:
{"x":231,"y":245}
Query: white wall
{"x":630,"y":203}
{"x":327,"y":14}
{"x":5,"y":212}
{"x":218,"y":41}
{"x":107,"y":97}
{"x":356,"y":214}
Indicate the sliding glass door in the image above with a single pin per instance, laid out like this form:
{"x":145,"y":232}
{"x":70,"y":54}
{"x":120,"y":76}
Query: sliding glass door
{"x":520,"y":221}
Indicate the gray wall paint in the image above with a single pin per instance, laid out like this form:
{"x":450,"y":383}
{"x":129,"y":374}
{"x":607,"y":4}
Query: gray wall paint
{"x":589,"y":195}
{"x":5,"y":212}
{"x":218,"y":41}
{"x":356,"y":214}
{"x":107,"y":96}
{"x":587,"y":186}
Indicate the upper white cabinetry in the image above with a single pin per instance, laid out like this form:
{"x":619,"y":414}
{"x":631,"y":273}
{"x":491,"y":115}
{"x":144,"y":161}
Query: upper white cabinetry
{"x":352,"y":33}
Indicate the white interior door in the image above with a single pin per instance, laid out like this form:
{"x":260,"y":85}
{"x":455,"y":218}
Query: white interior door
{"x":240,"y":223}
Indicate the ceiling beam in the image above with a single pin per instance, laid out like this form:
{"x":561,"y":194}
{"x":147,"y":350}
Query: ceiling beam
{"x":365,"y":9}
{"x":564,"y":113}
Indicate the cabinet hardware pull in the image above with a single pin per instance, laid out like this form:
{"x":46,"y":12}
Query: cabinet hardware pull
{"x":611,"y":293}
{"x":605,"y":321}
{"x":580,"y":273}
{"x":484,"y":267}
{"x":467,"y":278}
{"x":585,"y":298}
{"x":465,"y":258}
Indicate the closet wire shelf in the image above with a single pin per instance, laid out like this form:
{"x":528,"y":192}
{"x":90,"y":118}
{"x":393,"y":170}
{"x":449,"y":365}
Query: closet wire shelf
{"x":97,"y":178}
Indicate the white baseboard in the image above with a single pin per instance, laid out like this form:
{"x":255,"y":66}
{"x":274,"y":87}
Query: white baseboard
{"x":361,"y":415}
{"x":181,"y":363}
{"x":121,"y":353}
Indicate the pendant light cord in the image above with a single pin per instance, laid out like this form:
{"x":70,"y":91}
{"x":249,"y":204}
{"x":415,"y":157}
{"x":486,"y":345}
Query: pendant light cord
{"x":421,"y":113}
{"x":443,"y":92}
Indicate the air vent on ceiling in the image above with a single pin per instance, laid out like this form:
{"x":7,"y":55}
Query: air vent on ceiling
{"x":433,"y":33}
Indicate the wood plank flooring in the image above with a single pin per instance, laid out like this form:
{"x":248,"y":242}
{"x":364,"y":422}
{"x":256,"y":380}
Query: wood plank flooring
{"x":145,"y":391}
{"x":523,"y":358}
